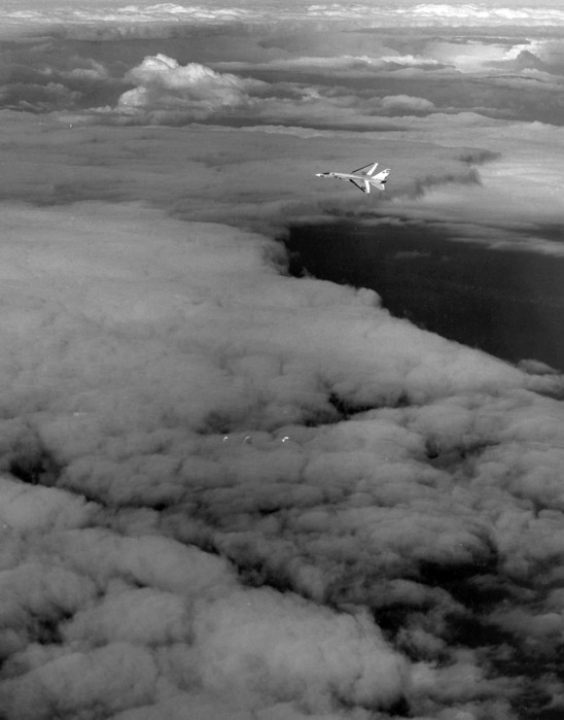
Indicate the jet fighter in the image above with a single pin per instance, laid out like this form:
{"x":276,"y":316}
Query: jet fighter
{"x":364,"y":178}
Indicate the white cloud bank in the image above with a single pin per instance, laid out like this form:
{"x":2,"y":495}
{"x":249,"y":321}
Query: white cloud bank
{"x":169,"y":93}
{"x":119,"y":17}
{"x":164,"y":84}
{"x":219,"y":485}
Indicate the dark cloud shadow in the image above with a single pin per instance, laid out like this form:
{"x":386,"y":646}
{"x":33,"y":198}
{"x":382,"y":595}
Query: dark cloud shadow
{"x":508,"y":303}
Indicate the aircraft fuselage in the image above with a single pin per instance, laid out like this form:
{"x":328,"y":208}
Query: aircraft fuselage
{"x":364,"y":181}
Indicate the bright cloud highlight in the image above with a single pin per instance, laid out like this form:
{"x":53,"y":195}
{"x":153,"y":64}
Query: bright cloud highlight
{"x":164,"y":84}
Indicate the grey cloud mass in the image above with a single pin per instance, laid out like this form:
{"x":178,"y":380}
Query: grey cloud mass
{"x":225,"y":520}
{"x":231,"y":493}
{"x":326,"y":79}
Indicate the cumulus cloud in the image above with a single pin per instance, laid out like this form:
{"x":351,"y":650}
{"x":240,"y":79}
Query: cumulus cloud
{"x":110,"y":19}
{"x":506,"y":12}
{"x":92,"y":71}
{"x":406,"y":104}
{"x":202,"y":509}
{"x":169,"y":93}
{"x":162,"y":84}
{"x":245,"y":83}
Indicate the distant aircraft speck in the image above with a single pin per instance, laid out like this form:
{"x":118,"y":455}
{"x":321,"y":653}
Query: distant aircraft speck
{"x":364,"y":179}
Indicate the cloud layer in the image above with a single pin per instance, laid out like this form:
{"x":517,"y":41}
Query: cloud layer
{"x":230,"y":493}
{"x":247,"y":495}
{"x":120,"y":17}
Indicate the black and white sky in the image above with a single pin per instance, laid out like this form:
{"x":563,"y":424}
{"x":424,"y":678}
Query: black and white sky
{"x":227,"y":493}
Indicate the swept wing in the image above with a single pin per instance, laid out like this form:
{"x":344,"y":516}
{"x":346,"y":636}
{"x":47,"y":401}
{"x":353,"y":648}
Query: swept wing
{"x":365,"y":187}
{"x":372,"y":169}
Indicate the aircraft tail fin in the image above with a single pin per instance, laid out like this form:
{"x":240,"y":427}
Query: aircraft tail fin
{"x":378,"y":181}
{"x":382,"y":176}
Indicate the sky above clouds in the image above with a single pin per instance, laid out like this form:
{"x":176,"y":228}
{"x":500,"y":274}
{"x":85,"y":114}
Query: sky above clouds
{"x":227,"y":492}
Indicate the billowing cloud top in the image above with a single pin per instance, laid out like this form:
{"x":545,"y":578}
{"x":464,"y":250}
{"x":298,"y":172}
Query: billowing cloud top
{"x":230,"y":493}
{"x":162,"y":83}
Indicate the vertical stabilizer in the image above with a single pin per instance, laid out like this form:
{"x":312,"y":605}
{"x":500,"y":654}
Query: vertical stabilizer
{"x":382,"y":176}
